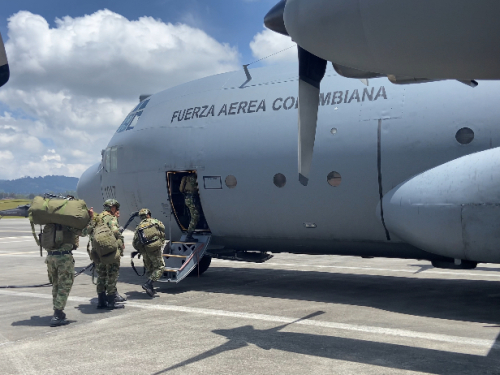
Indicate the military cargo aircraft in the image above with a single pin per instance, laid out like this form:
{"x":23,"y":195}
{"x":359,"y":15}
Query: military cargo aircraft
{"x":399,"y":171}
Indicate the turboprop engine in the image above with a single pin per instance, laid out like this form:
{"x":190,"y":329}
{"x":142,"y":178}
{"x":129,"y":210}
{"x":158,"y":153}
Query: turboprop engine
{"x":451,"y":210}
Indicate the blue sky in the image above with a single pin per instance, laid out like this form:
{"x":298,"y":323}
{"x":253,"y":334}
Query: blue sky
{"x":229,"y":21}
{"x":67,"y":94}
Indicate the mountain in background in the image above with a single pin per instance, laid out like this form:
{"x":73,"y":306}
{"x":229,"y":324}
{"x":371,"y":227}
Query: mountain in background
{"x":39,"y":185}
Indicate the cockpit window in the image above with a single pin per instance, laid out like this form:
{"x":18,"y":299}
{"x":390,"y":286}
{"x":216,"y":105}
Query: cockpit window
{"x":133,"y":117}
{"x":110,"y":159}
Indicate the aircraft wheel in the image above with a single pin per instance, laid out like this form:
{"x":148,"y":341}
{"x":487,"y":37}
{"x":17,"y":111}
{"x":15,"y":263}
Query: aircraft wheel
{"x":204,"y":264}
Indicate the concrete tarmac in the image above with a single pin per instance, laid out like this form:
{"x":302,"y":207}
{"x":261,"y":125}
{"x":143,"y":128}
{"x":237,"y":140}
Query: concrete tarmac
{"x":295,"y":314}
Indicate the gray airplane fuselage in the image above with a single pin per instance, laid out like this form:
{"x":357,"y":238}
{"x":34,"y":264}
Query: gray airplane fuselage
{"x":374,"y":137}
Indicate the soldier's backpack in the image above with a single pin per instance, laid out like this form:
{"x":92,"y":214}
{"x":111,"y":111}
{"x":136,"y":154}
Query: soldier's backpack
{"x":54,"y":235}
{"x":150,"y":235}
{"x":57,"y":210}
{"x":105,"y":248}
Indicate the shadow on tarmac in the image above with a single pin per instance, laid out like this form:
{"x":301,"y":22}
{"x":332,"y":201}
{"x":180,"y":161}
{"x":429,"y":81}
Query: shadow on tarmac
{"x":466,"y":300}
{"x":91,"y":309}
{"x":137,"y":296}
{"x":34,"y":321}
{"x":360,"y":351}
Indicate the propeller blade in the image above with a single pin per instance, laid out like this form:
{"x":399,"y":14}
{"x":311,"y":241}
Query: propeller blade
{"x":311,"y":72}
{"x":274,"y":18}
{"x":4,"y":65}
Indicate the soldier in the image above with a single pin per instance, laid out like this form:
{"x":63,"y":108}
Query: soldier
{"x":107,"y":274}
{"x":148,"y":240}
{"x":60,"y":266}
{"x":189,"y":187}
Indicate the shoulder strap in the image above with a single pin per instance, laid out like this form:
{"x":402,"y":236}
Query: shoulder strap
{"x":30,"y":217}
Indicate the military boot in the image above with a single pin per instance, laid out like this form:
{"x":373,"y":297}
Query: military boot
{"x":101,"y":300}
{"x":112,"y":303}
{"x":190,"y":238}
{"x":59,"y":319}
{"x":148,"y":287}
{"x":119,"y":298}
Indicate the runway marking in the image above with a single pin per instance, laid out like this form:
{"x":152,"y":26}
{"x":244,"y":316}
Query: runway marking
{"x":14,"y":238}
{"x":24,"y":252}
{"x":491,"y":344}
{"x":6,"y":243}
{"x":412,"y":271}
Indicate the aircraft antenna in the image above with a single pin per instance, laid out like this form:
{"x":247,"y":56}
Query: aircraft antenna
{"x":247,"y":72}
{"x":273,"y":54}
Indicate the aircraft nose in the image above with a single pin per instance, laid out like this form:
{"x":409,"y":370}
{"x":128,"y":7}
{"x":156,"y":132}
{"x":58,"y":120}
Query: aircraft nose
{"x":274,"y":19}
{"x":89,"y":187}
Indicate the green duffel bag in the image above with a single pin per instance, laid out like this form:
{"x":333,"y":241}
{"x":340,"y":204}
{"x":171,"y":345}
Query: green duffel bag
{"x":70,"y":212}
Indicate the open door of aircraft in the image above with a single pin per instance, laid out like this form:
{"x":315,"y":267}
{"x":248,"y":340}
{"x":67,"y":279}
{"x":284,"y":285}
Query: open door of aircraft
{"x":179,"y":209}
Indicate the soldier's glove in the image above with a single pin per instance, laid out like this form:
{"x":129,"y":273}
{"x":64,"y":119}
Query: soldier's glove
{"x":134,"y":253}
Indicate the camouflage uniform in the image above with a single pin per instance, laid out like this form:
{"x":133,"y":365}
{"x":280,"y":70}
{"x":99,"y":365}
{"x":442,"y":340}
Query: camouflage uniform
{"x":107,"y":274}
{"x":152,"y":255}
{"x":189,"y":187}
{"x":61,"y":269}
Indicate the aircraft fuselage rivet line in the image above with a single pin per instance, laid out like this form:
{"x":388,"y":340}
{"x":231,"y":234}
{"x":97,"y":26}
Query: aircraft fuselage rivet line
{"x":280,"y":319}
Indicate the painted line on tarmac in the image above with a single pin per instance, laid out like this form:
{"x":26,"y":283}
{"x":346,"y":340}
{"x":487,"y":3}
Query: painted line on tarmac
{"x":14,"y":238}
{"x":6,"y":243}
{"x":491,"y":344}
{"x":23,"y":253}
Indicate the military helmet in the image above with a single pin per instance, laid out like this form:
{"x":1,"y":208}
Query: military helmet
{"x":110,"y":203}
{"x":144,"y":212}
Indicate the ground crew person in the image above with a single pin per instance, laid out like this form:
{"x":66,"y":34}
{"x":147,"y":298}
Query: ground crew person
{"x":61,"y":268}
{"x":148,"y":239}
{"x":189,"y":187}
{"x":107,"y":274}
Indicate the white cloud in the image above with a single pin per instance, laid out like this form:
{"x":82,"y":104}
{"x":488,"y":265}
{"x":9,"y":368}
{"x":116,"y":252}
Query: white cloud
{"x":76,"y":82}
{"x":268,"y":42}
{"x":6,"y":155}
{"x":106,"y":55}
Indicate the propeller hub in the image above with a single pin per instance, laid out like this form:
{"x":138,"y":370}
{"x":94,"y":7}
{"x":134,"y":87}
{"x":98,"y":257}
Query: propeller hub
{"x":274,"y":19}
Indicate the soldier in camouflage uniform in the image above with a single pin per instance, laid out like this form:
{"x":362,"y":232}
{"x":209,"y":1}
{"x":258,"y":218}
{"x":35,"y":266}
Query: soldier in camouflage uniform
{"x":61,"y":270}
{"x":107,"y":274}
{"x":151,"y":253}
{"x":189,"y":187}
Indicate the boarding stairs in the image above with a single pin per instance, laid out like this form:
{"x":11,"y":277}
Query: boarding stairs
{"x":182,"y":257}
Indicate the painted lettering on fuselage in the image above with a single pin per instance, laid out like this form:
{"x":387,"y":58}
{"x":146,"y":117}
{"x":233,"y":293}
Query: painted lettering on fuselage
{"x":286,"y":103}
